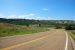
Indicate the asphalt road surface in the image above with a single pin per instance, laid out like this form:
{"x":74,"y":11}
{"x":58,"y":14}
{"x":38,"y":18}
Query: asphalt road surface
{"x":55,"y":39}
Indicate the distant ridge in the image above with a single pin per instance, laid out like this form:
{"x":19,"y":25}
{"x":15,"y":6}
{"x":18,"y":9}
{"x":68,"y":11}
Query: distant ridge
{"x":32,"y":21}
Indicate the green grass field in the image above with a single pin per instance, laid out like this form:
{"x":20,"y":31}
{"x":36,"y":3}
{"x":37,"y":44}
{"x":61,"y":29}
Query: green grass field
{"x":10,"y":30}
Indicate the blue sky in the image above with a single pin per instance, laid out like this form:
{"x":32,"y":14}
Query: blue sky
{"x":38,"y":9}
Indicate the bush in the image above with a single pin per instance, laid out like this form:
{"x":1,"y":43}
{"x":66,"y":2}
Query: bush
{"x":58,"y":27}
{"x":70,"y":27}
{"x":73,"y":27}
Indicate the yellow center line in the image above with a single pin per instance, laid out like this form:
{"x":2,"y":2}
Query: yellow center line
{"x":21,"y":44}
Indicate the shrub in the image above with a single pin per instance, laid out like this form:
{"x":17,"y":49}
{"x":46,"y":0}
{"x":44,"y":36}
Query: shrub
{"x":58,"y":27}
{"x":73,"y":27}
{"x":70,"y":27}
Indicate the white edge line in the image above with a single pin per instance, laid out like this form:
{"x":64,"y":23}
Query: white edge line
{"x":66,"y":45}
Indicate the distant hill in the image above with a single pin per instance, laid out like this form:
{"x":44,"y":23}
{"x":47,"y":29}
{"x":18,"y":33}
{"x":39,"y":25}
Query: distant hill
{"x":31,"y":22}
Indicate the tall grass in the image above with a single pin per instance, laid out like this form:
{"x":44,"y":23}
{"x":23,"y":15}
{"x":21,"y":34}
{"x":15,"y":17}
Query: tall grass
{"x":73,"y":34}
{"x":10,"y":30}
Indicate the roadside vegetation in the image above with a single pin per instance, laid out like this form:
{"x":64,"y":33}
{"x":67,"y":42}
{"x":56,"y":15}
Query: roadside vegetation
{"x":10,"y":27}
{"x":71,"y":30}
{"x":70,"y":27}
{"x":10,"y":30}
{"x":73,"y":34}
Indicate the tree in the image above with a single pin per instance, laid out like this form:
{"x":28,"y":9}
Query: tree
{"x":68,"y":27}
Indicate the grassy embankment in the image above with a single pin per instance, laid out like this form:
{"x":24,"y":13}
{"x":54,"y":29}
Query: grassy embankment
{"x":10,"y":30}
{"x":72,"y":34}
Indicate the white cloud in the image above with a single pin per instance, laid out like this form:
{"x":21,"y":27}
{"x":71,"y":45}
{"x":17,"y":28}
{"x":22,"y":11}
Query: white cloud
{"x":45,"y":9}
{"x":30,"y":14}
{"x":44,"y":18}
{"x":12,"y":16}
{"x":26,"y":16}
{"x":2,"y":16}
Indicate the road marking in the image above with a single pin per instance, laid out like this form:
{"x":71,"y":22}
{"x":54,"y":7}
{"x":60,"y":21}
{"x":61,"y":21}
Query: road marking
{"x":21,"y":44}
{"x":66,"y":45}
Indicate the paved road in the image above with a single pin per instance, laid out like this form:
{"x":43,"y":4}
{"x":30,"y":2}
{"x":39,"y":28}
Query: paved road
{"x":54,"y":39}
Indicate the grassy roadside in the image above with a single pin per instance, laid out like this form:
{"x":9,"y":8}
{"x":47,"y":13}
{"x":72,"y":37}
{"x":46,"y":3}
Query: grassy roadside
{"x":10,"y":30}
{"x":72,"y":34}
